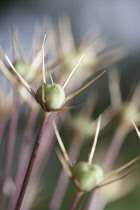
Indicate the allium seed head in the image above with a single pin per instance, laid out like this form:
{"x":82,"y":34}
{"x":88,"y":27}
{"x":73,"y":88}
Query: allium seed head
{"x":54,"y":96}
{"x":88,"y":175}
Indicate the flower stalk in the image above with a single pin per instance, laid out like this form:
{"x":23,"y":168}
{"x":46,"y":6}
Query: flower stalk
{"x":41,"y":128}
{"x":75,"y":200}
{"x":23,"y":157}
{"x":9,"y":148}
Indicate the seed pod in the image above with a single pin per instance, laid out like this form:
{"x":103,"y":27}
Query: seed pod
{"x":24,"y":69}
{"x":129,"y":111}
{"x":54,"y":96}
{"x":81,"y":121}
{"x":87,"y":175}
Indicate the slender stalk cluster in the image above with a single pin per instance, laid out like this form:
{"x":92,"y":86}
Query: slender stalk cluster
{"x":51,"y":97}
{"x":31,"y":87}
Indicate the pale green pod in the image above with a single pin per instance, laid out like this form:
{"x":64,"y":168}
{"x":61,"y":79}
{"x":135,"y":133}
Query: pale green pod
{"x":88,"y":176}
{"x":24,"y":69}
{"x":81,"y":121}
{"x":54,"y":96}
{"x":129,"y":111}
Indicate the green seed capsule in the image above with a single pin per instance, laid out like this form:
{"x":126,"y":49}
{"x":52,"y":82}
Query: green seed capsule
{"x":54,"y":96}
{"x":24,"y":69}
{"x":87,"y":175}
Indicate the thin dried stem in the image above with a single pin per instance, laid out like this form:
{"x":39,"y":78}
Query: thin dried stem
{"x":14,"y":42}
{"x":64,"y":163}
{"x":95,"y":141}
{"x":117,"y":179}
{"x":43,"y":72}
{"x":114,"y":172}
{"x":20,"y":78}
{"x":73,"y":71}
{"x":36,"y":41}
{"x":22,"y":91}
{"x":63,"y":150}
{"x":111,"y":57}
{"x":37,"y":58}
{"x":51,"y":79}
{"x":137,"y":131}
{"x":6,"y":72}
{"x":43,"y":66}
{"x":17,"y":50}
{"x":65,"y":28}
{"x":115,"y":93}
{"x":83,"y":87}
{"x":135,"y":98}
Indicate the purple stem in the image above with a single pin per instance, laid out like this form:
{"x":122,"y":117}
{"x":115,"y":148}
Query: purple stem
{"x":3,"y":123}
{"x":24,"y":157}
{"x":32,"y":159}
{"x":9,"y":148}
{"x":75,"y":200}
{"x":42,"y":158}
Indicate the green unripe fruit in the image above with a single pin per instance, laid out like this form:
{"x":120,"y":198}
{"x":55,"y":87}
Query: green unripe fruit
{"x":82,"y":121}
{"x":87,"y":175}
{"x":24,"y":69}
{"x":130,"y":111}
{"x":54,"y":96}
